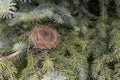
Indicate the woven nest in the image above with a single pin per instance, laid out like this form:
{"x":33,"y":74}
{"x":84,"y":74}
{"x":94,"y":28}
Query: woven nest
{"x":42,"y":37}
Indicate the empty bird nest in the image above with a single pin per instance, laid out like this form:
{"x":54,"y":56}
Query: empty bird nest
{"x":43,"y":37}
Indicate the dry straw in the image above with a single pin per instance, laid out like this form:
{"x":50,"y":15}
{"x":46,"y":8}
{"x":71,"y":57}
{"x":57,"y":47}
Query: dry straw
{"x":43,"y":37}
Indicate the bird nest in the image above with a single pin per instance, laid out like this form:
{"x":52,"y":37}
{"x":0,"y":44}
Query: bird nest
{"x":42,"y":37}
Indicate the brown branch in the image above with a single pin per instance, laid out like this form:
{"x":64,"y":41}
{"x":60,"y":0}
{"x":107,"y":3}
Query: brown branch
{"x":12,"y":55}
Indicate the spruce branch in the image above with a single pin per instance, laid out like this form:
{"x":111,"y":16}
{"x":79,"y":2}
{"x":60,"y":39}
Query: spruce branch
{"x":35,"y":15}
{"x":47,"y":65}
{"x":86,"y":12}
{"x":117,"y":2}
{"x":103,"y":7}
{"x":8,"y":70}
{"x":19,"y":48}
{"x":25,"y":1}
{"x":11,"y":55}
{"x":7,"y":8}
{"x":46,"y":12}
{"x":53,"y":75}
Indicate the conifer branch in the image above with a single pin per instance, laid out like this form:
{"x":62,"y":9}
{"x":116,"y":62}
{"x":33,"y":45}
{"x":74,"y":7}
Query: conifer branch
{"x":11,"y":55}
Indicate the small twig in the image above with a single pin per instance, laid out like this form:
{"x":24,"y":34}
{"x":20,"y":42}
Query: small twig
{"x":12,"y":55}
{"x":86,"y":12}
{"x":21,"y":31}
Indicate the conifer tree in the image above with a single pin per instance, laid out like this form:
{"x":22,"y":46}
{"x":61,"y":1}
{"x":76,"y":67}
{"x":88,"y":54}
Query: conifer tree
{"x":59,"y":39}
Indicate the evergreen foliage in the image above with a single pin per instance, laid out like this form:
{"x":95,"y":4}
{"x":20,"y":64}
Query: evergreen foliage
{"x":88,"y":46}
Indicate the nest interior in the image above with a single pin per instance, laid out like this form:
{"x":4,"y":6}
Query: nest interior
{"x":43,"y":37}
